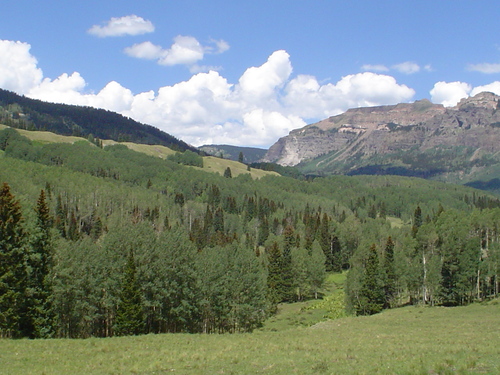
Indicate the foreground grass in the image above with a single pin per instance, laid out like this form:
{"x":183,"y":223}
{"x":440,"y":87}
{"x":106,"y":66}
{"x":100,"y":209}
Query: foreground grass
{"x":410,"y":340}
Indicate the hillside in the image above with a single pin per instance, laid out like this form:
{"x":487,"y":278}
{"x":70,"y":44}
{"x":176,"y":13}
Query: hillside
{"x":24,"y":113}
{"x":458,"y":144}
{"x":250,"y":154}
{"x":210,"y":164}
{"x":102,"y":241}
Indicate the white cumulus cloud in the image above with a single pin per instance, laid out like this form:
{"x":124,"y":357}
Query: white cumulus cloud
{"x":144,"y":50}
{"x":186,"y":50}
{"x":263,"y":105}
{"x":493,"y":87}
{"x":261,"y":83}
{"x":18,"y":68}
{"x":449,"y":93}
{"x":128,"y":25}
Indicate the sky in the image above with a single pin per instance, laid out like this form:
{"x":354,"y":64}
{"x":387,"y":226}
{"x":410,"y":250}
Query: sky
{"x":247,"y":72}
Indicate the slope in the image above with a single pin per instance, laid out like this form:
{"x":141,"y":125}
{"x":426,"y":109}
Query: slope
{"x":458,"y":144}
{"x":25,"y":113}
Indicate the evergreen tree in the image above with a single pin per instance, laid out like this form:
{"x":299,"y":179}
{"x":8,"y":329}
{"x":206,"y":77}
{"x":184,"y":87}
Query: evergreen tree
{"x":14,"y":321}
{"x":274,"y":276}
{"x":40,"y":263}
{"x":129,"y":313}
{"x":371,"y":296}
{"x":240,"y":157}
{"x":287,"y":278}
{"x":390,"y":273}
{"x":417,"y":221}
{"x":227,"y":173}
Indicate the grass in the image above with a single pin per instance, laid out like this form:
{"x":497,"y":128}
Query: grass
{"x":210,"y":163}
{"x":410,"y":340}
{"x":217,"y":165}
{"x":298,"y":340}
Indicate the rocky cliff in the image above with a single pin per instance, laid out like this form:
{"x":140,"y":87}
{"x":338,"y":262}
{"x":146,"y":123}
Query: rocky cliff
{"x":415,"y":138}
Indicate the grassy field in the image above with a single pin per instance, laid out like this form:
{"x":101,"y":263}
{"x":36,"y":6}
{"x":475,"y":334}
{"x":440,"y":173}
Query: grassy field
{"x":410,"y":340}
{"x":210,"y":163}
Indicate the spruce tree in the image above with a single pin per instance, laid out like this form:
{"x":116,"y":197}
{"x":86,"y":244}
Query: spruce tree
{"x":287,"y":278}
{"x":14,"y":320}
{"x":40,"y":263}
{"x":371,"y":298}
{"x":417,"y":221}
{"x":390,"y":274}
{"x":129,"y":313}
{"x":274,"y":277}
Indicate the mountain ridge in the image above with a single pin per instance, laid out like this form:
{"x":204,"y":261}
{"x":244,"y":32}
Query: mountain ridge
{"x":418,"y":139}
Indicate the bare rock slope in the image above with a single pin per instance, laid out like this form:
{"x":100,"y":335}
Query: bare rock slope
{"x":397,"y":136}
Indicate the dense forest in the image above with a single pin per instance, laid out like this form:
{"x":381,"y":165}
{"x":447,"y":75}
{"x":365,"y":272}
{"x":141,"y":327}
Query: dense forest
{"x":108,"y":241}
{"x":24,"y":113}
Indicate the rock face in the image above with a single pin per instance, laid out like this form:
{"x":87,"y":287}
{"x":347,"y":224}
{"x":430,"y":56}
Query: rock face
{"x":374,"y":135}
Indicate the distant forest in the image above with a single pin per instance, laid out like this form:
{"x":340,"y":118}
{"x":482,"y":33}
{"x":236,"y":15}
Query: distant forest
{"x":24,"y":113}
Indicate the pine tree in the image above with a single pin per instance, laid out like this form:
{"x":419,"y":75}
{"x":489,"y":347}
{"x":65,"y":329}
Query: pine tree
{"x":227,"y":173}
{"x":390,"y":274}
{"x":40,"y":262}
{"x":371,"y":298}
{"x":14,"y":320}
{"x":417,"y":221}
{"x":129,"y":313}
{"x":287,"y":281}
{"x":274,"y":276}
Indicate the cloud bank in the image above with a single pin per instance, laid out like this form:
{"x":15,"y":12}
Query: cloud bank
{"x":266,"y":102}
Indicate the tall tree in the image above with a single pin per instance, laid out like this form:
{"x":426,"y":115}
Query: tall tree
{"x":129,"y":313}
{"x":371,"y":293}
{"x":389,"y":273}
{"x":40,"y":262}
{"x":14,"y":321}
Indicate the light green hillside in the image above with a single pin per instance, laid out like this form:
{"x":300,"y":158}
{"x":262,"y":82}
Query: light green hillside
{"x":210,"y":163}
{"x":217,"y":165}
{"x":46,"y":137}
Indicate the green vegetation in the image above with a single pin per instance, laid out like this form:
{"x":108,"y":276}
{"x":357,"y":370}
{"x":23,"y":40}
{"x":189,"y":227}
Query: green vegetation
{"x":410,"y":340}
{"x":107,"y":241}
{"x":247,"y":155}
{"x":30,"y":114}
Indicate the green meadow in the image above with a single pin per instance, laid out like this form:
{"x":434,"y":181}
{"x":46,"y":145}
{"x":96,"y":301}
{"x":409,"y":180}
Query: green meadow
{"x":409,"y":340}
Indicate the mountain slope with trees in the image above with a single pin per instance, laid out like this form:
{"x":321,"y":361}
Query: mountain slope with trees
{"x":24,"y":113}
{"x":109,"y":241}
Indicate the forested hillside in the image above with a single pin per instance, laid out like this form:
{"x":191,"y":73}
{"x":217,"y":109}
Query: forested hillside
{"x":24,"y":113}
{"x":108,"y":241}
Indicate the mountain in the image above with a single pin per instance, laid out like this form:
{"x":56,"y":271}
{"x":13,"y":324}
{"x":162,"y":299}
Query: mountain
{"x":21,"y":112}
{"x":250,"y":154}
{"x":459,"y":144}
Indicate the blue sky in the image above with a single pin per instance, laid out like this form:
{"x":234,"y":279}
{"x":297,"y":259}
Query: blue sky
{"x":246,"y":73}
